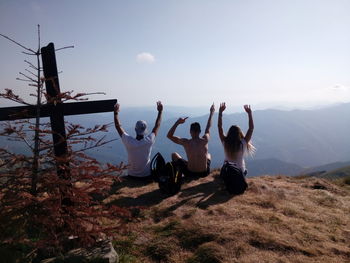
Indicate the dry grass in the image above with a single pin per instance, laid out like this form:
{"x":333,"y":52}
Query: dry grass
{"x":278,"y":219}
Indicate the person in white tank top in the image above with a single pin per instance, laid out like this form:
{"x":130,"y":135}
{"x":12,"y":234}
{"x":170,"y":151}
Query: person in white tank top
{"x":236,"y":144}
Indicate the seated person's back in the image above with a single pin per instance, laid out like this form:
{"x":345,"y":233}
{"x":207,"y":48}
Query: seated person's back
{"x":197,"y":154}
{"x":196,"y":148}
{"x":139,"y":154}
{"x":139,"y":149}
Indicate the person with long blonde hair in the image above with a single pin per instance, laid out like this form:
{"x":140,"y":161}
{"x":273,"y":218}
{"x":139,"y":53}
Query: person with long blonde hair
{"x":236,"y":144}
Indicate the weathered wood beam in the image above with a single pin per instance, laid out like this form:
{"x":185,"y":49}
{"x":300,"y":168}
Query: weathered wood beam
{"x":52,"y":85}
{"x":69,"y":108}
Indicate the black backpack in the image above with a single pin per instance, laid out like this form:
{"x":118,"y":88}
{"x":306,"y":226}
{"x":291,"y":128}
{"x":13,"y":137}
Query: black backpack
{"x":167,"y":175}
{"x":233,"y":178}
{"x":170,"y":179}
{"x":157,"y":166}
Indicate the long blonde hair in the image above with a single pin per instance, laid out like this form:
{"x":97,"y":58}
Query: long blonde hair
{"x":233,"y":142}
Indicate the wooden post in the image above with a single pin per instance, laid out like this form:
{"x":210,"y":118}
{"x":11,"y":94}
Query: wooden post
{"x":56,"y":117}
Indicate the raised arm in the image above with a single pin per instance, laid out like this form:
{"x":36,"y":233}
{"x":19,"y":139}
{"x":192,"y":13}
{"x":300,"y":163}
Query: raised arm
{"x":159,"y":117}
{"x":117,"y":124}
{"x":207,"y":129}
{"x":221,"y":131}
{"x":171,"y":132}
{"x":249,"y":133}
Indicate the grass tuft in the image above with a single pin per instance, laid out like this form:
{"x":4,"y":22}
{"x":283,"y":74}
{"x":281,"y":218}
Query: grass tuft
{"x":168,"y":229}
{"x":192,"y":237}
{"x":346,"y":180}
{"x":159,"y":249}
{"x":207,"y":253}
{"x":125,"y":249}
{"x":158,"y":214}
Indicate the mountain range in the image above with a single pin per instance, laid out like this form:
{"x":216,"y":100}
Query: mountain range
{"x":287,"y":142}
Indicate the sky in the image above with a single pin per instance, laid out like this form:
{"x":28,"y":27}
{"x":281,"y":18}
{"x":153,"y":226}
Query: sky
{"x":187,"y":52}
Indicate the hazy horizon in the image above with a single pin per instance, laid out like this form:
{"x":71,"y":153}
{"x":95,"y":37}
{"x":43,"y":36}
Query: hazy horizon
{"x":231,"y":108}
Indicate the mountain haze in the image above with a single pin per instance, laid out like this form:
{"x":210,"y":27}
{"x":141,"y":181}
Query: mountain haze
{"x":286,"y":141}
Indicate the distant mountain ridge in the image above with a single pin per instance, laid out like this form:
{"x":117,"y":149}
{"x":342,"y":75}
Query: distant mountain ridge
{"x":337,"y":173}
{"x":326,"y":168}
{"x":340,"y":172}
{"x":272,"y":167}
{"x":286,"y":141}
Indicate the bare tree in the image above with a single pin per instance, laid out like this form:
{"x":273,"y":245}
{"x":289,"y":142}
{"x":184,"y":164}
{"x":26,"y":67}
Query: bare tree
{"x":34,"y":79}
{"x":31,"y":193}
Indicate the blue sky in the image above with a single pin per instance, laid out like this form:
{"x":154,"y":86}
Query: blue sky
{"x":188,"y":53}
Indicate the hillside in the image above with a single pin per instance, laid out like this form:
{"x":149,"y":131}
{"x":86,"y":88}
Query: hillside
{"x":326,"y":168}
{"x":337,"y":173}
{"x":272,"y":167}
{"x":278,"y":219}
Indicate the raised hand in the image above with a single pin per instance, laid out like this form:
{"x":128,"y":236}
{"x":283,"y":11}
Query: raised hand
{"x":247,"y":109}
{"x":159,"y":106}
{"x":116,"y":108}
{"x":222,"y":107}
{"x":117,"y":124}
{"x":212,"y":108}
{"x":181,"y":120}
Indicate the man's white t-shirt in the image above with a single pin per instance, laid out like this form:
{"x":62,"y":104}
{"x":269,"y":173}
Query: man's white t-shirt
{"x":139,"y":154}
{"x":239,"y":160}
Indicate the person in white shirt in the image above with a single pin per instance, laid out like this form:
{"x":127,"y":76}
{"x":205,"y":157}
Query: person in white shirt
{"x":236,"y":144}
{"x":139,"y":148}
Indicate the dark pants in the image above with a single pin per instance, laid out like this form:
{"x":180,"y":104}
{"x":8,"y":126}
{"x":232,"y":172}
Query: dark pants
{"x":182,"y":164}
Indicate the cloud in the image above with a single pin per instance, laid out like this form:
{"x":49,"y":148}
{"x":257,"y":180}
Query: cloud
{"x":340,"y":88}
{"x":145,"y":57}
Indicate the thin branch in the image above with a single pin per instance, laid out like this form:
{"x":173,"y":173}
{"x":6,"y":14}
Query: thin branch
{"x":31,"y":73}
{"x":19,"y":44}
{"x":31,"y":65}
{"x":24,"y":80}
{"x":95,"y":145}
{"x":28,"y":144}
{"x":65,"y":96}
{"x":26,"y":53}
{"x":38,"y":38}
{"x":64,"y":48}
{"x":34,"y":85}
{"x":24,"y":75}
{"x":35,"y":68}
{"x":15,"y":99}
{"x":19,"y":138}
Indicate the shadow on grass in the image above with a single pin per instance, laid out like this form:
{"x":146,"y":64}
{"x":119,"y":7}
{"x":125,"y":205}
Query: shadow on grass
{"x":146,"y":199}
{"x":128,"y":182}
{"x":209,"y":193}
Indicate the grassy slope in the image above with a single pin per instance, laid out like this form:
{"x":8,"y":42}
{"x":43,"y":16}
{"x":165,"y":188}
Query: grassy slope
{"x":338,"y":173}
{"x":279,"y":219}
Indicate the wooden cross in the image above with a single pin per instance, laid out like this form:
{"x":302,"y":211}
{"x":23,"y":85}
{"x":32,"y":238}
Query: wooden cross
{"x":55,"y":109}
